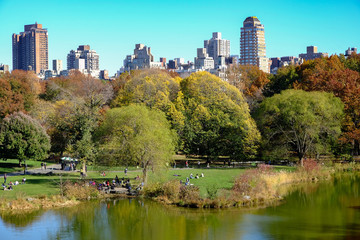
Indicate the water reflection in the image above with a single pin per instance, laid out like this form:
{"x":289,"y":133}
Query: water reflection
{"x":320,"y":211}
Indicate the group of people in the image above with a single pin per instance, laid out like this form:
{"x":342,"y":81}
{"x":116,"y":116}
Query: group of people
{"x":197,"y":176}
{"x":67,"y":166}
{"x":10,"y":185}
{"x":43,"y":166}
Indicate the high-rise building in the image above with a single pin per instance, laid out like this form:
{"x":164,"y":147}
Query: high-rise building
{"x":30,"y":48}
{"x":252,"y":44}
{"x":312,"y":53}
{"x":90,"y":57}
{"x":57,"y":66}
{"x":217,"y":47}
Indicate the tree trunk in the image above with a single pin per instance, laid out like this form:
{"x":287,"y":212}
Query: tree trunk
{"x":301,"y":160}
{"x":144,"y":175}
{"x":84,"y":168}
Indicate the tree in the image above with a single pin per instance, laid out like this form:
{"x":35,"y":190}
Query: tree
{"x":22,"y":137}
{"x":282,"y":80}
{"x":300,"y":121}
{"x":154,"y":89}
{"x":18,"y":91}
{"x":217,"y":119}
{"x":250,"y":80}
{"x":345,"y":84}
{"x":136,"y":135}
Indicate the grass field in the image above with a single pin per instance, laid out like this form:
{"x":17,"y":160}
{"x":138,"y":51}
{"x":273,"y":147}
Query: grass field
{"x":12,"y":165}
{"x":37,"y":185}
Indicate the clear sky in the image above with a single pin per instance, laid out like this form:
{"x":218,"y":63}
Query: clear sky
{"x":177,"y":28}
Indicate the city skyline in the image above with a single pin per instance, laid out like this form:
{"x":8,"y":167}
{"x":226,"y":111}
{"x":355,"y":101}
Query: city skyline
{"x":172,"y":30}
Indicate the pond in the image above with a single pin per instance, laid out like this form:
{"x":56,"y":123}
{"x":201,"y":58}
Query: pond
{"x":328,"y":210}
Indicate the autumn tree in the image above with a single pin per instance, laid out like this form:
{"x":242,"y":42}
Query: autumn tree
{"x":300,"y":122}
{"x":18,"y":91}
{"x":136,"y":136}
{"x":22,"y":137}
{"x":345,"y":84}
{"x":250,"y":80}
{"x":217,"y":119}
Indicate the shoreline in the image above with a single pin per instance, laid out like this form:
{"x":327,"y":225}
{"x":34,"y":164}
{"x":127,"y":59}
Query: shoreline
{"x":277,"y":187}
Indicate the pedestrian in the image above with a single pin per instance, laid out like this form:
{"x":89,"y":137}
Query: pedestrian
{"x":45,"y":165}
{"x":42,"y":166}
{"x":199,"y":164}
{"x":187,"y":164}
{"x":5,"y":177}
{"x":125,"y":171}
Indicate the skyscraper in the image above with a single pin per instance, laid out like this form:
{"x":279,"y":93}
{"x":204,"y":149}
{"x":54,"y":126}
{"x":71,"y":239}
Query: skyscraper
{"x":217,"y":47}
{"x":30,"y":48}
{"x":252,"y":44}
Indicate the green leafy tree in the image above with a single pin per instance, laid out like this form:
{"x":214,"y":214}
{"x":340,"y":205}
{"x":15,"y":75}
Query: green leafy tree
{"x":135,"y":135}
{"x":284,"y":79}
{"x":300,"y":122}
{"x":22,"y":137}
{"x":217,"y":119}
{"x":154,"y":89}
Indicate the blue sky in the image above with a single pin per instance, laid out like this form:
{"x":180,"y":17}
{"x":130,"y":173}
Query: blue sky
{"x":176,"y":28}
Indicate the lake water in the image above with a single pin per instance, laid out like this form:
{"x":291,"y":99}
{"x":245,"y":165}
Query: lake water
{"x":328,"y":210}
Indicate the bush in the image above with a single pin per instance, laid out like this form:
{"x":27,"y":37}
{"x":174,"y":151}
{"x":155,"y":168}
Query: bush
{"x":212,"y":191}
{"x":80,"y":191}
{"x":190,"y":195}
{"x":310,"y":165}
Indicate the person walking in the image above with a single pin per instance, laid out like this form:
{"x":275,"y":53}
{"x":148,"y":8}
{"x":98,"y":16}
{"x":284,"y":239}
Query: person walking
{"x":45,"y":165}
{"x":5,"y":177}
{"x":125,"y":171}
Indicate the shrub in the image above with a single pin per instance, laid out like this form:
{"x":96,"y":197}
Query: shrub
{"x":310,"y":165}
{"x":80,"y":191}
{"x":212,"y":191}
{"x":189,"y":194}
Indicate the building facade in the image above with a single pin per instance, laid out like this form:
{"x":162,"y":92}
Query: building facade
{"x":350,"y":51}
{"x":217,"y":48}
{"x":312,"y":53}
{"x":4,"y":68}
{"x":142,"y":59}
{"x":203,"y":61}
{"x":252,"y":44}
{"x":89,"y":60}
{"x":30,"y":49}
{"x":57,"y":66}
{"x":276,"y":63}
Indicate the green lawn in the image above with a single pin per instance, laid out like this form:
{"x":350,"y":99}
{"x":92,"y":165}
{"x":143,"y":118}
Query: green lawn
{"x":222,"y":178}
{"x":12,"y":165}
{"x":37,"y":185}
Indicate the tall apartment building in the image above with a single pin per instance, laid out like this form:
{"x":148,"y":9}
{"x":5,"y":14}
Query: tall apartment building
{"x":217,"y":47}
{"x":252,"y":44}
{"x":90,"y":58}
{"x":312,"y":53}
{"x":30,"y":48}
